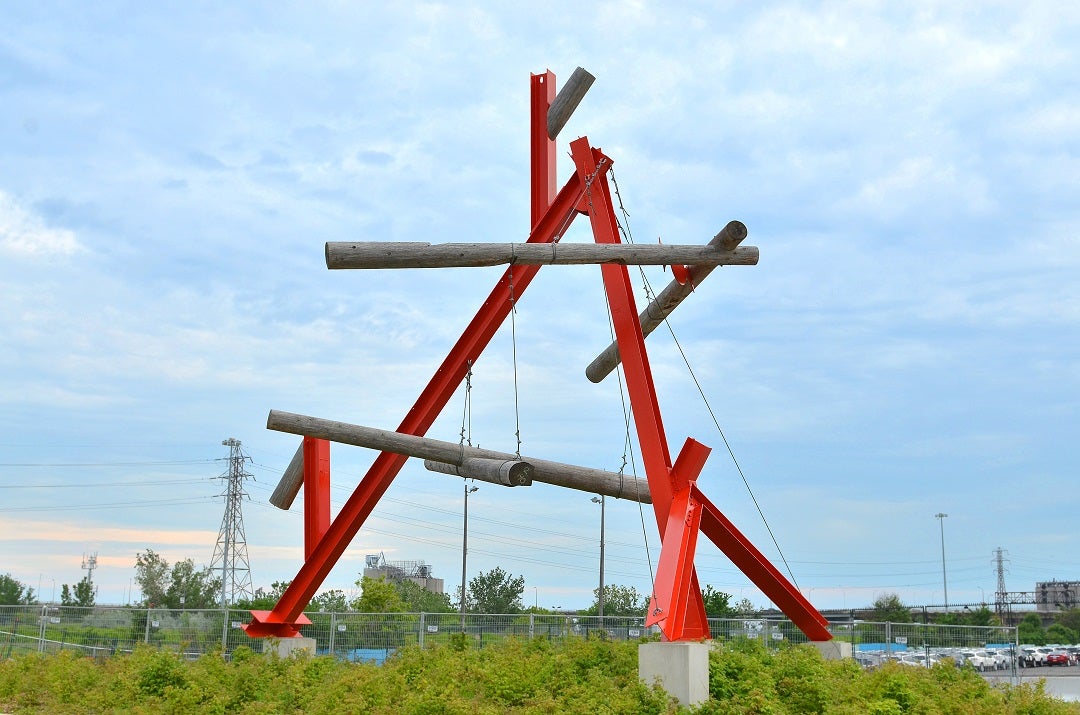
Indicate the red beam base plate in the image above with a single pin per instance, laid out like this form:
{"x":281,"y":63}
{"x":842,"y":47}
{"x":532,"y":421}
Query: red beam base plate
{"x":262,"y":626}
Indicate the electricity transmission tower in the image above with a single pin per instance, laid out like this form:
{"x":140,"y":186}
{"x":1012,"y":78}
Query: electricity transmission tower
{"x":1001,"y":598}
{"x":230,"y":553}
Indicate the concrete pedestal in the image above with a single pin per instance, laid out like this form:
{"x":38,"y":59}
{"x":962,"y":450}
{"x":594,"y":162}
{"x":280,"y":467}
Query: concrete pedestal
{"x":682,"y":669}
{"x":834,"y":649}
{"x":287,"y":647}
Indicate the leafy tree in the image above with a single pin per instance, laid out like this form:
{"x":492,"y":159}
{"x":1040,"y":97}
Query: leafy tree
{"x":981,"y":616}
{"x":417,"y":599}
{"x":332,"y":601}
{"x":745,"y":609}
{"x":13,"y":592}
{"x":495,"y":592}
{"x":717,"y":603}
{"x":163,"y":586}
{"x":82,"y":594}
{"x":1070,"y":619}
{"x":889,"y":608}
{"x":1030,"y":630}
{"x":618,"y":601}
{"x":264,"y":600}
{"x":377,"y":595}
{"x":1058,"y":633}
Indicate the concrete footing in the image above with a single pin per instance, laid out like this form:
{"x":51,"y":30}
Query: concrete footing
{"x":287,"y":647}
{"x":680,"y":668}
{"x":834,"y":649}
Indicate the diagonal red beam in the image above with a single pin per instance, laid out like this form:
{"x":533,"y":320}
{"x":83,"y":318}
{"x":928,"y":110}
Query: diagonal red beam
{"x":675,"y":569}
{"x":592,"y":166}
{"x":423,"y":413}
{"x":677,"y":604}
{"x":765,"y":576}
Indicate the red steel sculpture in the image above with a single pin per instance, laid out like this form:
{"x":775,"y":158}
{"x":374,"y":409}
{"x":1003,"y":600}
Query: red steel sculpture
{"x":682,"y":511}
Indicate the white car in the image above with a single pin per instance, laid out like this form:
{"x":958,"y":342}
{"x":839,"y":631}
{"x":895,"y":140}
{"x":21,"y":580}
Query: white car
{"x":979,"y":660}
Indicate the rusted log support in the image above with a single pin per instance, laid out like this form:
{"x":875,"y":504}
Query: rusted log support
{"x":668,"y":299}
{"x":594,"y":481}
{"x":507,"y":472}
{"x":415,"y":254}
{"x":567,"y":101}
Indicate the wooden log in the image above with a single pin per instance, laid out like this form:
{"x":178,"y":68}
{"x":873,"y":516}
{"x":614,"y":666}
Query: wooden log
{"x":594,"y":481}
{"x":507,"y":472}
{"x":658,"y":310}
{"x":289,"y":485}
{"x":416,"y":254}
{"x":567,"y":100}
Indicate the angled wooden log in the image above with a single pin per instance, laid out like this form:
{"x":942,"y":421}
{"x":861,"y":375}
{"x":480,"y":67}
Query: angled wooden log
{"x":594,"y":481}
{"x":289,"y":485}
{"x":507,"y":472}
{"x":658,"y":310}
{"x":567,"y":100}
{"x":415,"y":254}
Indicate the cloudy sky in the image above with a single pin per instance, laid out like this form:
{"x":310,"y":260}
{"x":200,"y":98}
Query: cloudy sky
{"x":907,"y":346}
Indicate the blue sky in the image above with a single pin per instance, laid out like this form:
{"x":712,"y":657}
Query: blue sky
{"x":908,"y":344}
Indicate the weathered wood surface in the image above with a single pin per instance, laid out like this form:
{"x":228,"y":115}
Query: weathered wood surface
{"x":567,"y":100}
{"x":416,"y":254}
{"x":668,"y":299}
{"x":586,"y":479}
{"x":291,"y":481}
{"x":507,"y":472}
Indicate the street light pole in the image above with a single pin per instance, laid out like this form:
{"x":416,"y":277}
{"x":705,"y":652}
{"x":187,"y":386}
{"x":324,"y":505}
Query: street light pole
{"x":465,"y":549}
{"x":600,"y":609}
{"x":940,"y":516}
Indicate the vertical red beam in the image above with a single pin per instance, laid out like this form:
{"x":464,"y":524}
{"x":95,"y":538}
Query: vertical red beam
{"x":542,"y":158}
{"x":316,"y":492}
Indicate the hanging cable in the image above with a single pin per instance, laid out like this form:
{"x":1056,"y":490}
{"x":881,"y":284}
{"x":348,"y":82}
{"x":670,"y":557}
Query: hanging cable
{"x":513,"y":352}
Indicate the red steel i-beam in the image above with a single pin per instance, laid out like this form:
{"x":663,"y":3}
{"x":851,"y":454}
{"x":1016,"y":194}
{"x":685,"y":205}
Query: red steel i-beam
{"x":542,"y":158}
{"x":289,"y":609}
{"x":316,"y":492}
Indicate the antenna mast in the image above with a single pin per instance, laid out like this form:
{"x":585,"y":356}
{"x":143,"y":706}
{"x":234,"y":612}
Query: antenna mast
{"x":230,"y":553}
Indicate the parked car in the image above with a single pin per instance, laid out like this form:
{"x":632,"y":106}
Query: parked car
{"x":979,"y":660}
{"x":1029,"y":658}
{"x":1057,"y":657}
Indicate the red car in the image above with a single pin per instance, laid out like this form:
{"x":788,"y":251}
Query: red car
{"x":1058,"y":657}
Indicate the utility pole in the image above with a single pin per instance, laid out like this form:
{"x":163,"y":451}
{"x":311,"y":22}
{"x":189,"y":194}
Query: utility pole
{"x":230,"y":552}
{"x":944,"y":581}
{"x":600,"y":602}
{"x":465,"y":549}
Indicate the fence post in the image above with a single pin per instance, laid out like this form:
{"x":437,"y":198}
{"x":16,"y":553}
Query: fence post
{"x":333,"y":630}
{"x":888,"y":637}
{"x":146,"y":638}
{"x":420,"y":633}
{"x":532,"y":625}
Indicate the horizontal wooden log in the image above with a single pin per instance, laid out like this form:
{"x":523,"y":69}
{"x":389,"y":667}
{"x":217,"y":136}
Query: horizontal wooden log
{"x":567,"y":100}
{"x":660,"y":308}
{"x":594,"y":481}
{"x":289,"y":485}
{"x":507,"y":472}
{"x":416,"y":254}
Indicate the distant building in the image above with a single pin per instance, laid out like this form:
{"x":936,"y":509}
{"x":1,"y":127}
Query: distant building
{"x":1053,"y":596}
{"x":376,"y":566}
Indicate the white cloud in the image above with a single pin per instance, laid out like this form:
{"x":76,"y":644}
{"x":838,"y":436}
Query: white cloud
{"x":24,"y":233}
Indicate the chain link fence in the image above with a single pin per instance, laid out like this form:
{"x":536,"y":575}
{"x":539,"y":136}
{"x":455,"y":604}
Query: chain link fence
{"x":105,"y":631}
